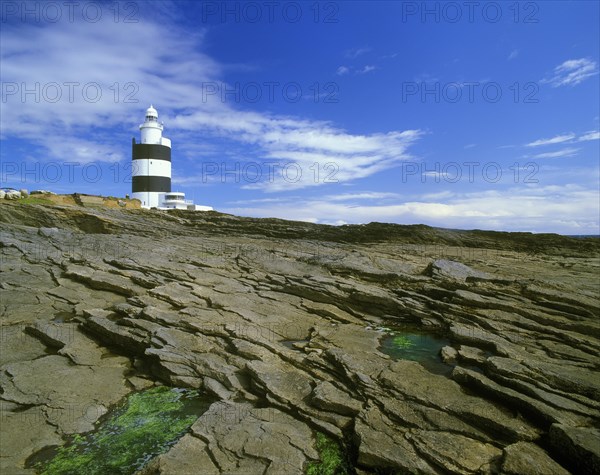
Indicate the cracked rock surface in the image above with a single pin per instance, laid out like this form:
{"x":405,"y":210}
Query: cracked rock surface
{"x":279,"y":322}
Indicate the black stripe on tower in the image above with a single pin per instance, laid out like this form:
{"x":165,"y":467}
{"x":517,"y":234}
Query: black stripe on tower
{"x":147,"y":151}
{"x":159,"y":184}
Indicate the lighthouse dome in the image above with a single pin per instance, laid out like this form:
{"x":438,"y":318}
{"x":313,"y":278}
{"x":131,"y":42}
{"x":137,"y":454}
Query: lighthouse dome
{"x":151,"y":113}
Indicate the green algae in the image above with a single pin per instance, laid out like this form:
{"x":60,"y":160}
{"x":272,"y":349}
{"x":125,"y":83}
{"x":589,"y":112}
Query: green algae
{"x":148,"y":424}
{"x":409,"y":343}
{"x":402,"y":342}
{"x":332,"y":460}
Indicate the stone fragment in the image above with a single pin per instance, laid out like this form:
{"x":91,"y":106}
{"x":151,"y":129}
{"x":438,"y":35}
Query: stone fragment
{"x":329,"y":398}
{"x":524,"y":458}
{"x":445,"y":269}
{"x":448,"y":354}
{"x":578,"y":446}
{"x":455,"y":453}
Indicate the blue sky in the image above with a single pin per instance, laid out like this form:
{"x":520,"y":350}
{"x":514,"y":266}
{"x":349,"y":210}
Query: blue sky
{"x":483,"y":116}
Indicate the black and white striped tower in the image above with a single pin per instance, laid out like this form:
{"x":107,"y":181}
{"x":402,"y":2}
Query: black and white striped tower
{"x":151,"y":163}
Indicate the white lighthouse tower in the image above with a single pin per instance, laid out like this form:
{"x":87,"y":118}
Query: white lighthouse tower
{"x":151,"y":169}
{"x":151,"y":163}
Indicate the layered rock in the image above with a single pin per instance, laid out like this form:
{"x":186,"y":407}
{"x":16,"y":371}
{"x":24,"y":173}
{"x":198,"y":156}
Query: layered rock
{"x":278,"y":321}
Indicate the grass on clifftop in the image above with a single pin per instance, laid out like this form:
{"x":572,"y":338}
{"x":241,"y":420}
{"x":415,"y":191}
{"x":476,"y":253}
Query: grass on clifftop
{"x":32,"y":200}
{"x":148,"y":424}
{"x":332,"y":458}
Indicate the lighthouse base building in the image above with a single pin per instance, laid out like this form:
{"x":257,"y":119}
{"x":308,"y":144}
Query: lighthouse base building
{"x":151,"y":169}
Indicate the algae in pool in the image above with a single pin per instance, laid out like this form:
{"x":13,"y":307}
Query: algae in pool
{"x":148,"y":424}
{"x":417,"y":346}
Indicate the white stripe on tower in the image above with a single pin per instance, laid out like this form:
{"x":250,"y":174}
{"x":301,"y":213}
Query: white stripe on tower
{"x":151,"y":167}
{"x":151,"y":163}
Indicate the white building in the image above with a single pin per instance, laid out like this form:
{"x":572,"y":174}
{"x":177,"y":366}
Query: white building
{"x":151,"y":169}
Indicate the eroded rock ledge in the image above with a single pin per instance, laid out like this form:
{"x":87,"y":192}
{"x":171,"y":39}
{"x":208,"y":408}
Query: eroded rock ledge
{"x":278,"y":320}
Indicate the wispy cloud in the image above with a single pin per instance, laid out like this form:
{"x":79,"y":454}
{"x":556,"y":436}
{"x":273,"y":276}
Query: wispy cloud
{"x":513,"y":54}
{"x":367,"y":69}
{"x":261,"y":200}
{"x":370,"y":195}
{"x":572,"y":72}
{"x":342,"y":70}
{"x":589,"y":136}
{"x":565,"y":152}
{"x":356,"y":52}
{"x":172,"y":74}
{"x":553,"y":140}
{"x":107,"y":88}
{"x":564,"y":139}
{"x":574,"y":209}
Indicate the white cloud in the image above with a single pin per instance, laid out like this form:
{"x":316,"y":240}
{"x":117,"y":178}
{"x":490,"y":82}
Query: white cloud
{"x":83,"y":151}
{"x":343,"y":70}
{"x":372,"y":195}
{"x":177,"y":77}
{"x":321,"y":152}
{"x":565,"y":152}
{"x":589,"y":136}
{"x":573,"y":209}
{"x":445,"y":195}
{"x":259,"y":200}
{"x":356,"y":52}
{"x":454,"y":174}
{"x":513,"y":54}
{"x":572,"y":72}
{"x":367,"y":69}
{"x":561,"y":139}
{"x":553,"y":140}
{"x":107,"y":62}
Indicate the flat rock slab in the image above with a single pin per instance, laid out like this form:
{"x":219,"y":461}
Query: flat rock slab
{"x":580,"y":444}
{"x":240,"y":437}
{"x":73,"y":396}
{"x":445,"y":269}
{"x":326,"y":396}
{"x":524,"y":458}
{"x":455,"y":453}
{"x":23,"y":433}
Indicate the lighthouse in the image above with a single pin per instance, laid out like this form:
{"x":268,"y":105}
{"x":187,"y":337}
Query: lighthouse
{"x":151,"y":163}
{"x":151,"y":169}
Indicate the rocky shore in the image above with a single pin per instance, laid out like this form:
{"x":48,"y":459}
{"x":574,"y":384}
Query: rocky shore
{"x":281,"y":323}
